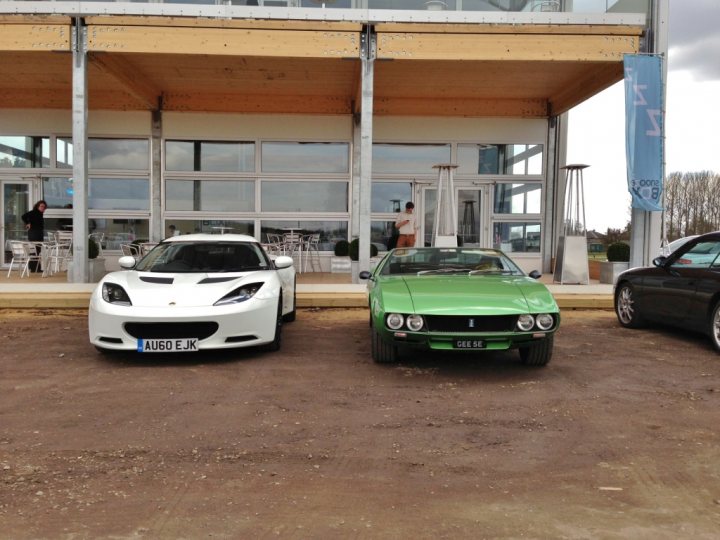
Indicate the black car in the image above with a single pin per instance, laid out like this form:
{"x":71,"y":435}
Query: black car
{"x":682,"y":289}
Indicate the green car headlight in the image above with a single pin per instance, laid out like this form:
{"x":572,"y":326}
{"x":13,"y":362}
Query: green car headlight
{"x":544,"y":321}
{"x":394,"y":321}
{"x":414,"y":322}
{"x":525,"y":323}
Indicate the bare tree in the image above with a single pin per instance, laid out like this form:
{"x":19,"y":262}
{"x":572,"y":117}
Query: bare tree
{"x":692,"y":203}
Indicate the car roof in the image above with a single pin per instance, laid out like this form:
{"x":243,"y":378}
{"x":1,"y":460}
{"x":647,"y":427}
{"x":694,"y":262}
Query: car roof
{"x":202,"y":237}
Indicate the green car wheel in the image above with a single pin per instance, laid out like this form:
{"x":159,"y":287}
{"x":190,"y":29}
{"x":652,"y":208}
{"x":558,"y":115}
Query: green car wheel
{"x":382,"y":352}
{"x":537,"y":354}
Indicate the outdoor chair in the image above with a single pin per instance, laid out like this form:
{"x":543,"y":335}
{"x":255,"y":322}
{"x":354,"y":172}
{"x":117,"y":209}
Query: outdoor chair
{"x":23,"y":253}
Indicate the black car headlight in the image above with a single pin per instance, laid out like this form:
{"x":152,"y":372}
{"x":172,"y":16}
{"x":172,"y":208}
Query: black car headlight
{"x":242,"y":293}
{"x":115,"y":294}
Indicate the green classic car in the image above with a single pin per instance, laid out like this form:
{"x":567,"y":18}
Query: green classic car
{"x":459,"y":299}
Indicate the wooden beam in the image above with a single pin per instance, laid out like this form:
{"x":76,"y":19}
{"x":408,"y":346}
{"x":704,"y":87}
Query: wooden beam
{"x":136,"y":84}
{"x":597,"y":78}
{"x":202,"y":22}
{"x":35,"y":37}
{"x":35,"y":98}
{"x":224,"y":41}
{"x":512,"y":29}
{"x":459,"y":47}
{"x":242,"y":103}
{"x":524,"y":108}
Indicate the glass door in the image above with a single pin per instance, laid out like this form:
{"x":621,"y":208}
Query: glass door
{"x":472,"y":229}
{"x":14,"y":201}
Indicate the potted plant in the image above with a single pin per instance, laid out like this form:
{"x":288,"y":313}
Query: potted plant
{"x":96,"y":263}
{"x":340,"y":262}
{"x":618,"y":260}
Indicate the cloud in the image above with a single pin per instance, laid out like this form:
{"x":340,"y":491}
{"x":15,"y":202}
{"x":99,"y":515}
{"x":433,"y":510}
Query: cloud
{"x":694,"y":41}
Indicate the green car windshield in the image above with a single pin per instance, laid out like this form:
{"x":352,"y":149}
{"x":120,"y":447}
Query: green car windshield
{"x":205,"y":257}
{"x":435,"y":261}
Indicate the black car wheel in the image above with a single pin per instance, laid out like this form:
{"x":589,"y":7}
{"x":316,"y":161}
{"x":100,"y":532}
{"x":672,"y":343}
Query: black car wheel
{"x":715,"y":326}
{"x":382,"y":352}
{"x":626,"y":308}
{"x":274,"y":345}
{"x":539,"y":353}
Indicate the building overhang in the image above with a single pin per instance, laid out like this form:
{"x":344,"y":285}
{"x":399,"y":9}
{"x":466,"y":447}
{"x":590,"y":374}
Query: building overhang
{"x":519,"y":66}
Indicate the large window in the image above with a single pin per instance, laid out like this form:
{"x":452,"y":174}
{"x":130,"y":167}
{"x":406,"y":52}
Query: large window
{"x":107,"y":154}
{"x":174,"y":227}
{"x":305,"y":157}
{"x":210,"y":195}
{"x":210,"y":156}
{"x":330,"y":231}
{"x":302,"y":196}
{"x":517,"y":198}
{"x":523,"y":237}
{"x":103,"y":193}
{"x":24,"y":152}
{"x":409,"y":158}
{"x":509,"y":159}
{"x":390,"y":196}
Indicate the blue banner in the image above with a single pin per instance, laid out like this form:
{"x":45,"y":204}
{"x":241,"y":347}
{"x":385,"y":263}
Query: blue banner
{"x":644,"y":130}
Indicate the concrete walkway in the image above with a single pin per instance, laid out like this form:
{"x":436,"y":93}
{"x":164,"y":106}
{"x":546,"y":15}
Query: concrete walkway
{"x":313,"y":290}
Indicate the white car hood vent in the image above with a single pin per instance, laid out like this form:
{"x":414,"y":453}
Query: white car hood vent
{"x":164,"y":280}
{"x":216,"y":280}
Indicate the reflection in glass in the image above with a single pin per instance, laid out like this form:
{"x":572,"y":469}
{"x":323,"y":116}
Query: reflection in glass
{"x":390,"y":196}
{"x":210,"y":156}
{"x":310,"y":157}
{"x":468,"y":213}
{"x":383,"y":234}
{"x":210,"y":195}
{"x":119,"y":194}
{"x":283,"y":196}
{"x":119,"y":154}
{"x":175,"y":227}
{"x":58,"y":191}
{"x":330,"y":231}
{"x":516,"y":237}
{"x":16,"y":200}
{"x":517,"y":199}
{"x":516,"y":159}
{"x":409,"y":158}
{"x":24,"y":152}
{"x":116,"y":232}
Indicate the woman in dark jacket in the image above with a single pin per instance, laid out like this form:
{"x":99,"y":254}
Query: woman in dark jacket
{"x":35,"y":225}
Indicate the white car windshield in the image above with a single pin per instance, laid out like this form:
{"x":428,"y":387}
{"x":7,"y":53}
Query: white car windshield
{"x":205,"y":257}
{"x":426,"y":261}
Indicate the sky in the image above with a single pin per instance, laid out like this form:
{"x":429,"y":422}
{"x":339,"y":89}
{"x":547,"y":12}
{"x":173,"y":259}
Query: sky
{"x":596,"y":133}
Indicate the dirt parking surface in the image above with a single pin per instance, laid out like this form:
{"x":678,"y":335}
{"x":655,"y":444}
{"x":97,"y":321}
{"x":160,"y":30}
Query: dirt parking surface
{"x":616,"y":438}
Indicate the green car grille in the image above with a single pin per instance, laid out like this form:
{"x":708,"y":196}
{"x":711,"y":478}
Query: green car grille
{"x":466,"y":323}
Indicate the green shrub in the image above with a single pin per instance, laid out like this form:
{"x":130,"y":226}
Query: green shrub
{"x":342,"y":248}
{"x":618,"y":252}
{"x":93,"y":249}
{"x":355,"y":250}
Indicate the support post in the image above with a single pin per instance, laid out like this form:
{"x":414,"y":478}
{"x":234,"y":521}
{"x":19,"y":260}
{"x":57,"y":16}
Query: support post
{"x":366,"y":130}
{"x":156,"y":226}
{"x":80,"y":269}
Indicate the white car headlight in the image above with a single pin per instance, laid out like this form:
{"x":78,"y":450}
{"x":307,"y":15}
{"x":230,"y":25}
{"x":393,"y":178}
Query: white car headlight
{"x":115,"y":294}
{"x":414,"y":322}
{"x":525,"y":322}
{"x":394,"y":321}
{"x":544,"y":321}
{"x":245,"y":292}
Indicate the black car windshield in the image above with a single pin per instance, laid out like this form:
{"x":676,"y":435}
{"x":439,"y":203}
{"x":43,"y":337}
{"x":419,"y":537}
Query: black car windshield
{"x":206,"y":257}
{"x":448,"y":261}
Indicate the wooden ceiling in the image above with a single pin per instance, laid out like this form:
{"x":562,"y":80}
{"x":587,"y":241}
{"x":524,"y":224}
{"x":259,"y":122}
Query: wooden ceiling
{"x":306,"y":67}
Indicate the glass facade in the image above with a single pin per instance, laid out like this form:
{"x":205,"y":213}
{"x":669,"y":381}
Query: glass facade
{"x":24,"y":152}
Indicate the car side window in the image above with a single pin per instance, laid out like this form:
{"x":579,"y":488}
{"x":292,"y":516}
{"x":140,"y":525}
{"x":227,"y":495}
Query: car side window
{"x":701,"y":255}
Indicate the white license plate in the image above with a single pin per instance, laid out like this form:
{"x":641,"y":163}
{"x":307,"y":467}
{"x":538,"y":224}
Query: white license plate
{"x":469,"y":344}
{"x":167,"y":345}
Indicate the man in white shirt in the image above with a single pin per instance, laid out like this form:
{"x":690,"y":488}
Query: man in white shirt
{"x":405,"y":223}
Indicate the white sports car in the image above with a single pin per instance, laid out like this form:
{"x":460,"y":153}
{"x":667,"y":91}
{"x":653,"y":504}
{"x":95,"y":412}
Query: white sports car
{"x":194,"y":292}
